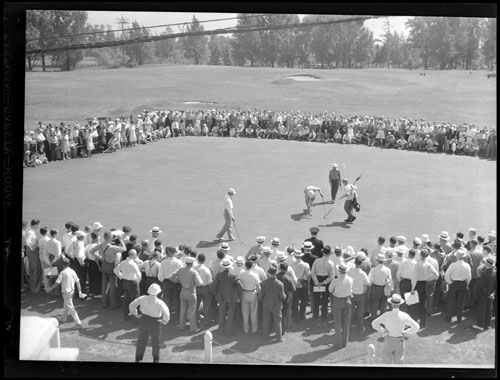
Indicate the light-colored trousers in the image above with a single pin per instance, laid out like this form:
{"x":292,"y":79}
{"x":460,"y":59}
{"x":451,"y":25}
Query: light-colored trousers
{"x":188,"y":310}
{"x":394,"y":350}
{"x":249,"y":309}
{"x":69,"y":308}
{"x":227,"y":227}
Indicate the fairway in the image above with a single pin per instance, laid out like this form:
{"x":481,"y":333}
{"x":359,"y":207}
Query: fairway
{"x":442,"y":96}
{"x":179,"y":185}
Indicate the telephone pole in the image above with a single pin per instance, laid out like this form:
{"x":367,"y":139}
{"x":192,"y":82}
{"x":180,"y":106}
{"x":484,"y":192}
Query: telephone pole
{"x":122,"y":21}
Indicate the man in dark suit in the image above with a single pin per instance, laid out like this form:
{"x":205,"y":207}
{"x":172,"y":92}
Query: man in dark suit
{"x":273,"y":295}
{"x":335,"y":180}
{"x":227,"y":291}
{"x":317,"y":243}
{"x":289,"y":289}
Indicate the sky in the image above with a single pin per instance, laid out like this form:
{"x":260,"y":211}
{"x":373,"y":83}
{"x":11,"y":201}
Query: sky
{"x":377,"y":26}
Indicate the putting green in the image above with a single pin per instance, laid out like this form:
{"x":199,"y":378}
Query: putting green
{"x":179,"y":185}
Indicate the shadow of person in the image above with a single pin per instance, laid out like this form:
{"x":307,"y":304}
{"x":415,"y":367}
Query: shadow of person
{"x":312,"y":356}
{"x":344,"y":225}
{"x":207,"y":244}
{"x":298,"y":217}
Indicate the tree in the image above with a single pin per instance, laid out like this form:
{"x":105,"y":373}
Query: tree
{"x":488,"y":48}
{"x":39,"y":24}
{"x":215,"y":54}
{"x":362,"y":46}
{"x":195,"y":47}
{"x":165,"y":48}
{"x":247,"y":46}
{"x":419,"y":36}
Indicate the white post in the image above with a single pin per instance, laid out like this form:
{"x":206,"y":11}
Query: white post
{"x":208,"y":347}
{"x":371,"y":354}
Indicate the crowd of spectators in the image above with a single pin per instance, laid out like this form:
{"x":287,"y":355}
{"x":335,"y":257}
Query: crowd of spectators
{"x":103,"y":135}
{"x":447,"y":272}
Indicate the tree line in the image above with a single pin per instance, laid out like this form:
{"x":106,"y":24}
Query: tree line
{"x":432,"y":42}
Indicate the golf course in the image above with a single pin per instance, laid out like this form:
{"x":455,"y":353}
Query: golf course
{"x":179,"y":185}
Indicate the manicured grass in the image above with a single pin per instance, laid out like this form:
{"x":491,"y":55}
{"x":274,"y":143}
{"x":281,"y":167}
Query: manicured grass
{"x":179,"y":185}
{"x":440,"y":96}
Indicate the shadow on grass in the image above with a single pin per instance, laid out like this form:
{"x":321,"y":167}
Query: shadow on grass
{"x":310,"y":357}
{"x":298,"y":217}
{"x":344,"y":225}
{"x":189,"y":346}
{"x":323,"y":340}
{"x":463,"y":333}
{"x":207,"y":244}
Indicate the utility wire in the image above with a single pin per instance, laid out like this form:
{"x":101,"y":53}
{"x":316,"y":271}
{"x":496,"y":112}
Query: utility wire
{"x":140,"y":28}
{"x":143,"y":39}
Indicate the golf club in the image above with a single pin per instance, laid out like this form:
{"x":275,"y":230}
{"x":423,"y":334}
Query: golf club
{"x":237,"y":233}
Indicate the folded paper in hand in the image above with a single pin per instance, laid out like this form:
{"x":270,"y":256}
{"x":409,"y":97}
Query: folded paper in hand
{"x":319,"y":289}
{"x":411,"y":299}
{"x":52,"y":271}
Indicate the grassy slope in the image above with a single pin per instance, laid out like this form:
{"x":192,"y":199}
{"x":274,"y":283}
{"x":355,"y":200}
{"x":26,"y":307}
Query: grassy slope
{"x":439,"y":96}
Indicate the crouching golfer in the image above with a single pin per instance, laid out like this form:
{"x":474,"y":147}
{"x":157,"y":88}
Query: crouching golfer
{"x":310,"y":196}
{"x":152,"y":311}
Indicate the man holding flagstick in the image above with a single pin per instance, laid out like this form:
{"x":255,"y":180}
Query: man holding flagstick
{"x":351,"y":198}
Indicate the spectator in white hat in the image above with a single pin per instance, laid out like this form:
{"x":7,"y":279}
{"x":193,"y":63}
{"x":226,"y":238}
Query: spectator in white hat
{"x":457,"y":276}
{"x":492,"y":242}
{"x":301,"y":295}
{"x":250,"y":285}
{"x":275,"y":243}
{"x":360,"y":285}
{"x":401,"y":244}
{"x":396,"y":324}
{"x":485,"y":292}
{"x":444,"y":241}
{"x":225,"y":289}
{"x":380,"y":277}
{"x":265,"y":260}
{"x":228,"y":216}
{"x":341,"y":289}
{"x":155,"y":235}
{"x":257,"y":249}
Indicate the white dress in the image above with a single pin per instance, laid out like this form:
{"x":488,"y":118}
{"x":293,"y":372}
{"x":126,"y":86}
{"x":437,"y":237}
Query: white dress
{"x":132,"y":137}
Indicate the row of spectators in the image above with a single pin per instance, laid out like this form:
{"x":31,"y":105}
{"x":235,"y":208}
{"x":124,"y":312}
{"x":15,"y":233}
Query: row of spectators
{"x":51,"y":143}
{"x":113,"y":264}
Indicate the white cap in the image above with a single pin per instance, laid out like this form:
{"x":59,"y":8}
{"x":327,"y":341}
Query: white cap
{"x":231,"y":190}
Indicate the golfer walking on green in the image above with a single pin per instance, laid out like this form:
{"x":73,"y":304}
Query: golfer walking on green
{"x":228,"y":216}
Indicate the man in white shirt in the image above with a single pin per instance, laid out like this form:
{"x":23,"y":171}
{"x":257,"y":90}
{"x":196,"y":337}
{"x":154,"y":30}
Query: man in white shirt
{"x":350,"y":195}
{"x":359,"y":287}
{"x":171,"y":289}
{"x":203,"y":292}
{"x":301,"y":295}
{"x":33,"y":254}
{"x":228,"y":216}
{"x":457,"y":276}
{"x":310,"y":196}
{"x":129,"y":272}
{"x":44,"y":257}
{"x":396,"y":324}
{"x":379,"y":249}
{"x":380,"y":277}
{"x":67,"y":236}
{"x":250,"y":285}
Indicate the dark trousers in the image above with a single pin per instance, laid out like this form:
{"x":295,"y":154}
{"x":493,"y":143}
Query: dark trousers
{"x":35,"y":270}
{"x":418,"y":311}
{"x":108,"y":285}
{"x":348,"y":207}
{"x":470,"y":299}
{"x":171,"y":296}
{"x":299,"y":303}
{"x":204,"y":296}
{"x":405,"y":287}
{"x":456,"y":300}
{"x":483,"y":311}
{"x":148,"y":326}
{"x":81,"y":272}
{"x":227,"y":322}
{"x":378,"y":301}
{"x":274,"y":316}
{"x":131,"y":292}
{"x":334,"y":187}
{"x":94,"y":278}
{"x":53,"y":148}
{"x":342,"y":316}
{"x":321,"y":298}
{"x":358,"y":308}
{"x":286,"y":309}
{"x":437,"y":293}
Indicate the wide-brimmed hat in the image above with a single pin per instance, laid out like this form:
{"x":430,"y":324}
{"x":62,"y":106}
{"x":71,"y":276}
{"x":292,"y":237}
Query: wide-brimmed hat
{"x":154,"y":289}
{"x":96,"y":225}
{"x":417,"y":241}
{"x":334,"y":165}
{"x":266,"y":249}
{"x":155,"y":229}
{"x":189,"y":260}
{"x":253,"y":257}
{"x":276,"y":241}
{"x":240,"y":260}
{"x":490,"y":260}
{"x":401,"y":238}
{"x":425,"y":238}
{"x":225,"y":247}
{"x":492,"y":234}
{"x":280,"y":256}
{"x":307,"y":245}
{"x":298,"y":253}
{"x":461,"y":252}
{"x":361,"y":256}
{"x":342,"y":268}
{"x":380,"y":257}
{"x":272,"y":269}
{"x":79,"y":234}
{"x":395,"y":299}
{"x":390,"y":252}
{"x":444,"y":235}
{"x":338,"y":249}
{"x":226,"y":263}
{"x":231,"y":190}
{"x":260,"y":239}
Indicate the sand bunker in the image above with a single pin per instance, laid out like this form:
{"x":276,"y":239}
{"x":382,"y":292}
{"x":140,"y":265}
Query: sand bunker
{"x":303,"y":78}
{"x":198,"y":102}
